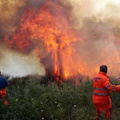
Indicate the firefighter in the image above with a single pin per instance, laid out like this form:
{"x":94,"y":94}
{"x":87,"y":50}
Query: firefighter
{"x":3,"y":84}
{"x":101,"y":93}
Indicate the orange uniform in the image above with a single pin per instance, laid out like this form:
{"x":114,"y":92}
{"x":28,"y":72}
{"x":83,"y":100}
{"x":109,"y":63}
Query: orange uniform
{"x":3,"y":84}
{"x":3,"y":95}
{"x":101,"y":94}
{"x":2,"y":92}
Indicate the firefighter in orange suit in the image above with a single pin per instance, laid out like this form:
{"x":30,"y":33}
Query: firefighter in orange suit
{"x":3,"y":84}
{"x":101,"y":93}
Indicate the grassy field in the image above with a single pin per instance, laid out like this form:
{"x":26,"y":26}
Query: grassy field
{"x":30,"y":100}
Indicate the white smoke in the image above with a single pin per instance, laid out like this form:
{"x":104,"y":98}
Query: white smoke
{"x":101,"y":9}
{"x":15,"y":64}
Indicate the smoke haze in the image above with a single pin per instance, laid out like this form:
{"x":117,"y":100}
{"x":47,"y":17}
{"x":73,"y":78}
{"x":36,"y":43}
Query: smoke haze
{"x":16,"y":64}
{"x":97,"y":21}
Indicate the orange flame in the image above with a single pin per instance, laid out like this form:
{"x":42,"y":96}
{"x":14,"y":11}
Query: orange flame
{"x":49,"y":33}
{"x":45,"y":30}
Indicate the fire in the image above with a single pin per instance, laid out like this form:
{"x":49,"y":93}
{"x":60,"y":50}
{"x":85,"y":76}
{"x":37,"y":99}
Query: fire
{"x":52,"y":38}
{"x":48,"y":33}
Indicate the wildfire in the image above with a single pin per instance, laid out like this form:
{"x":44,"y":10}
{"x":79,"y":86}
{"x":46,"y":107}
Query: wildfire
{"x":51,"y":36}
{"x":48,"y":32}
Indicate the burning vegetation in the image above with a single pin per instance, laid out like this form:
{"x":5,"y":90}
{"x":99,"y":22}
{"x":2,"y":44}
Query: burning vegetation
{"x":48,"y":29}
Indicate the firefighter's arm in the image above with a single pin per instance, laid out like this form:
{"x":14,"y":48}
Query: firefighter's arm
{"x":110,"y":87}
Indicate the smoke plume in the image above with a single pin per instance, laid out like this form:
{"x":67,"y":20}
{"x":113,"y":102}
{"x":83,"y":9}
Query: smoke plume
{"x":96,"y":21}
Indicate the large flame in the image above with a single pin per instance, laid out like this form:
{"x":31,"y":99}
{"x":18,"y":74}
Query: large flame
{"x":53,"y":39}
{"x":48,"y":32}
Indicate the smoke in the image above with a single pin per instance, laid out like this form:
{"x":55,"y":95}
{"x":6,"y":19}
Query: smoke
{"x":96,"y":20}
{"x":12,"y":62}
{"x":100,"y":9}
{"x":16,"y":64}
{"x":12,"y":11}
{"x":10,"y":15}
{"x":98,"y":23}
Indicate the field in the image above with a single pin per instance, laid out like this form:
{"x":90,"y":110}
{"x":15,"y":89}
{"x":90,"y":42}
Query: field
{"x":30,"y":100}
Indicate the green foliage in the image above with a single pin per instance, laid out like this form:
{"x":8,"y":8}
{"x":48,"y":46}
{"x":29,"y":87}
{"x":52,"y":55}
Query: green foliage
{"x":30,"y":100}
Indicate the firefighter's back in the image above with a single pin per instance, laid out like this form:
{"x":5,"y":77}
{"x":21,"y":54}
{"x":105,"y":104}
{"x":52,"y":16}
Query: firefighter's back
{"x":100,"y":94}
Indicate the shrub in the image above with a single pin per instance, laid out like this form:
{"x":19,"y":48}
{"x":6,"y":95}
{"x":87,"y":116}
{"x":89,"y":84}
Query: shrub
{"x":30,"y":100}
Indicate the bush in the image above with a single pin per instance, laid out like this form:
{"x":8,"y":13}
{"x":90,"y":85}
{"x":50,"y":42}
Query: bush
{"x":30,"y":100}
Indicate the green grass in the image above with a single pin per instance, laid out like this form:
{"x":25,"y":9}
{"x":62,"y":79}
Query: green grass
{"x":30,"y":100}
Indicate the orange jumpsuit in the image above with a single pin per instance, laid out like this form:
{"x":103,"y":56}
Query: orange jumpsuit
{"x":101,"y":94}
{"x":3,"y":95}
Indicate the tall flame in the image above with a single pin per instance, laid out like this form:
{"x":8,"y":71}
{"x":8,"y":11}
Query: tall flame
{"x":47,"y":31}
{"x":52,"y":37}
